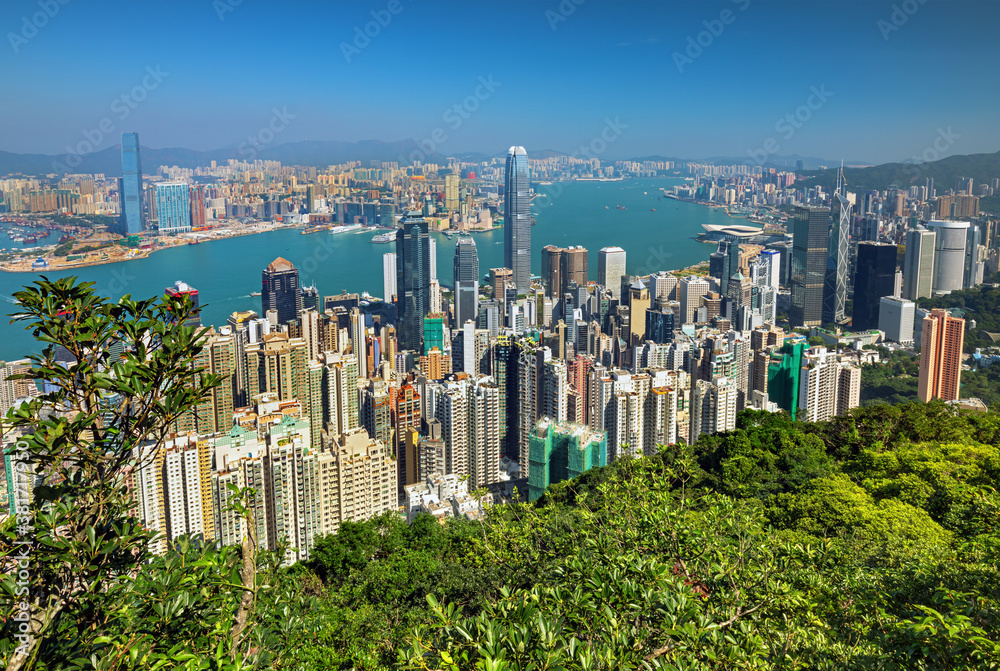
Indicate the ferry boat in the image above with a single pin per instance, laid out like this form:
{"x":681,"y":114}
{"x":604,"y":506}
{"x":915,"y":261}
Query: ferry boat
{"x":255,"y":293}
{"x":345,"y":229}
{"x":384,"y":237}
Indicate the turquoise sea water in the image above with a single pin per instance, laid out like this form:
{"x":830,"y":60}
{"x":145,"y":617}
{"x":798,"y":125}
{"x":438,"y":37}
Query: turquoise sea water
{"x":226,"y":271}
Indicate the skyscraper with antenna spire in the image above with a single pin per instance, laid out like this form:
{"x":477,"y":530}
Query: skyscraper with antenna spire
{"x":838,"y":251}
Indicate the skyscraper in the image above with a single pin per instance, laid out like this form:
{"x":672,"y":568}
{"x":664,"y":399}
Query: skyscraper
{"x":875,"y":278}
{"x":949,"y":255}
{"x":197,"y":206}
{"x":810,"y":238}
{"x":389,"y":276}
{"x":466,"y":277}
{"x":181,"y":289}
{"x":133,"y":217}
{"x":574,"y":267}
{"x":280,"y":290}
{"x":552,"y":270}
{"x":413,"y":280}
{"x":918,"y":264}
{"x":517,"y":218}
{"x":940,"y":356}
{"x":173,"y":207}
{"x":610,"y":269}
{"x":838,"y":250}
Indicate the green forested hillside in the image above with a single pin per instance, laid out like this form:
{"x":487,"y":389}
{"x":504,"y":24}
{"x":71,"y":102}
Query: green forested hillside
{"x":867,"y":542}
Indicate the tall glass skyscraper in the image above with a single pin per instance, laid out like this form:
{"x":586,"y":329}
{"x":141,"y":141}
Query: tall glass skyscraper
{"x":132,"y":219}
{"x":466,"y":276}
{"x":413,"y":280}
{"x":810,"y":239}
{"x":517,"y":219}
{"x":173,"y":207}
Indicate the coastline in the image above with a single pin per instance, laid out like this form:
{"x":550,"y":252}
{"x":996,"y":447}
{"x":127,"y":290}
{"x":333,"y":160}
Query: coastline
{"x":26,"y":266}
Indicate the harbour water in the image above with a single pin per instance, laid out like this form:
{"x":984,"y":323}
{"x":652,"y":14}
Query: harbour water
{"x":225,"y":272}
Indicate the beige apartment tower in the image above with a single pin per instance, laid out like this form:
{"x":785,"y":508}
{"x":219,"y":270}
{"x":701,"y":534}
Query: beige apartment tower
{"x":941,"y":356}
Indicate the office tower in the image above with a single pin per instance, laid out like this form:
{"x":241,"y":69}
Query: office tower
{"x":184,"y":290}
{"x":499,"y":277}
{"x":466,"y":281}
{"x":517,"y":218}
{"x":132,"y":220}
{"x":838,"y":250}
{"x":663,"y":285}
{"x":561,"y":451}
{"x":689,"y":292}
{"x":280,"y":290}
{"x":610,"y":269}
{"x":973,"y":267}
{"x":173,"y":208}
{"x":660,"y":325}
{"x":197,"y":206}
{"x":895,"y":319}
{"x":359,"y":482}
{"x":876,"y":278}
{"x":713,"y":407}
{"x":809,"y":248}
{"x":770,"y":264}
{"x":451,"y":183}
{"x":573,"y":268}
{"x":552,"y":271}
{"x":949,"y":255}
{"x":433,"y":256}
{"x":413,"y":281}
{"x":941,"y":356}
{"x":310,"y":298}
{"x":918,"y":263}
{"x":638,"y":304}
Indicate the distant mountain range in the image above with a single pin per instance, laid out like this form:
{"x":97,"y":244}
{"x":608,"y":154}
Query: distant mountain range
{"x":319,"y":153}
{"x":945,"y":172}
{"x":310,"y":153}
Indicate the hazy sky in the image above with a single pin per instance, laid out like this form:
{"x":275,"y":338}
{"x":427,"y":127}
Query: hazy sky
{"x":861,"y":80}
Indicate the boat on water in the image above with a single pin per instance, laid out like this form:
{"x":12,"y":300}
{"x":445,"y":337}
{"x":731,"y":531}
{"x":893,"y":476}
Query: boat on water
{"x":652,"y":209}
{"x":345,"y":229}
{"x":255,"y":293}
{"x":382,"y":238}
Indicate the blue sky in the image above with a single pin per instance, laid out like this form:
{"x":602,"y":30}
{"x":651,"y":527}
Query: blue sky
{"x":559,"y":71}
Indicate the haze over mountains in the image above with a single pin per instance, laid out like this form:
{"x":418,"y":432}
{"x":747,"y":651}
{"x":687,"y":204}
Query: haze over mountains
{"x":321,"y":153}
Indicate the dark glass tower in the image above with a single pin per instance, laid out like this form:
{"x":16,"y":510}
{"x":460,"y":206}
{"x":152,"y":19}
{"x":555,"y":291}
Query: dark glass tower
{"x":466,"y":277}
{"x":132,"y":220}
{"x":876,"y":278}
{"x":413,"y":280}
{"x":517,"y":219}
{"x":810,"y":239}
{"x":838,"y":252}
{"x":280,"y":290}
